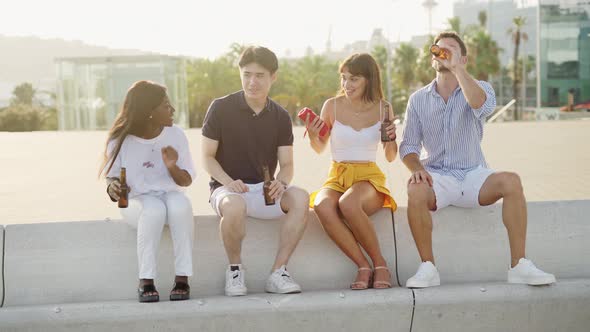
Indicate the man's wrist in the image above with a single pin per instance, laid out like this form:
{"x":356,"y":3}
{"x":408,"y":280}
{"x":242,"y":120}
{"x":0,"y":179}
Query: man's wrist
{"x":418,"y":169}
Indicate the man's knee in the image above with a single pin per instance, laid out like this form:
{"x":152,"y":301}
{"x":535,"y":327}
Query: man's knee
{"x":510,"y":183}
{"x":233,"y":208}
{"x":419,"y":194}
{"x":296,"y":198}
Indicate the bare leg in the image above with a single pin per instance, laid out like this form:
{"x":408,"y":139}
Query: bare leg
{"x":421,"y":200}
{"x":508,"y":186}
{"x":296,"y":202}
{"x":327,"y":209}
{"x":233,"y":226}
{"x":357,"y":204}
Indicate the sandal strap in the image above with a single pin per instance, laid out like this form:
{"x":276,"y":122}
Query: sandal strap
{"x":364,"y":269}
{"x":180,"y":285}
{"x":381,"y":268}
{"x":148,"y":289}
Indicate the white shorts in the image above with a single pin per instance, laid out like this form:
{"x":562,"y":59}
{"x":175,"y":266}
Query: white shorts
{"x":254,"y":199}
{"x":450,"y":191}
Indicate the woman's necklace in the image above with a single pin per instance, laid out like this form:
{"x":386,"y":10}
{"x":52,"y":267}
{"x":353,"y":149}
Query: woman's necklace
{"x":358,"y":111}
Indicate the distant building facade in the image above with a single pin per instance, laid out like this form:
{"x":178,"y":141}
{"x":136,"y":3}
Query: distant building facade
{"x":91,"y":90}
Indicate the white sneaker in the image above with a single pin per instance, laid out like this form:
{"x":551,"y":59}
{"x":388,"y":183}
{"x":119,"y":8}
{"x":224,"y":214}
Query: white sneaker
{"x":426,"y":276}
{"x":525,"y":272}
{"x":281,"y":282}
{"x":235,"y":283}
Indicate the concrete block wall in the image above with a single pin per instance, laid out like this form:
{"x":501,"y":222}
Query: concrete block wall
{"x":1,"y":265}
{"x":370,"y":310}
{"x":492,"y":307}
{"x":472,"y":244}
{"x":82,"y":276}
{"x":96,"y":260}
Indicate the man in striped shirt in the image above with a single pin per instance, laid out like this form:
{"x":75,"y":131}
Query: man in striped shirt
{"x":446,"y":119}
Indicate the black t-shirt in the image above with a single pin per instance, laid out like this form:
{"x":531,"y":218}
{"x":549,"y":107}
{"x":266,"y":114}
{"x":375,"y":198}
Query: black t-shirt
{"x":246,"y":140}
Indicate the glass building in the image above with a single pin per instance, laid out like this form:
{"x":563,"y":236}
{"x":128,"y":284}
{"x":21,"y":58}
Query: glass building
{"x":564,"y":51}
{"x":91,"y":90}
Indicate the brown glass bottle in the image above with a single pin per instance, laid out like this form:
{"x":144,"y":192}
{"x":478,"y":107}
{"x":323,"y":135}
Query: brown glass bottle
{"x":124,"y":189}
{"x":439,"y":52}
{"x":384,"y":124}
{"x":268,"y":200}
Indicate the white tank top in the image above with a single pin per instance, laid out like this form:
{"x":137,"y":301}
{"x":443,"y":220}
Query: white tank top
{"x":348,"y":144}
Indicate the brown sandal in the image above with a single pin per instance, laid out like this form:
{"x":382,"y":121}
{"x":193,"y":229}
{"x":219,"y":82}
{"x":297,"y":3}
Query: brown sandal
{"x":382,"y":284}
{"x":360,"y":285}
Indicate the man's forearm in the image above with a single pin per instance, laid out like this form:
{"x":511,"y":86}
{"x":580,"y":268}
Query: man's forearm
{"x":285,"y":174}
{"x":474,"y":94}
{"x":412,"y":162}
{"x":214,"y":169}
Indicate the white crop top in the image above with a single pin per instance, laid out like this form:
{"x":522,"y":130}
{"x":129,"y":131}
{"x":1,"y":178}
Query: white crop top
{"x":348,"y":144}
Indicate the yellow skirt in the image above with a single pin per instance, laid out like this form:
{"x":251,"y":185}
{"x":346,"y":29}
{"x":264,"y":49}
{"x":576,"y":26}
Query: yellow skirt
{"x":343,"y":175}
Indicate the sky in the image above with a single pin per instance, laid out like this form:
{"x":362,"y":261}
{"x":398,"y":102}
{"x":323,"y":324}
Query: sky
{"x":207,"y":28}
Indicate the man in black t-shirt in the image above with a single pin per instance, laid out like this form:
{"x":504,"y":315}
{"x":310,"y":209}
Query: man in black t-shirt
{"x":243,"y":132}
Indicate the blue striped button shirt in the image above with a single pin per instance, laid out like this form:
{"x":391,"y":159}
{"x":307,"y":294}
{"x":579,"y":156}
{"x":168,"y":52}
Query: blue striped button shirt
{"x":450,"y":132}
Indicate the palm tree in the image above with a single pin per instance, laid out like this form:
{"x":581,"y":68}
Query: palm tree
{"x":482,"y":17}
{"x":424,"y":71}
{"x":380,"y":55}
{"x":404,"y":65}
{"x":455,"y":24}
{"x":306,"y":82}
{"x":517,"y":35}
{"x":483,"y":55}
{"x":404,"y":74}
{"x":23,"y":94}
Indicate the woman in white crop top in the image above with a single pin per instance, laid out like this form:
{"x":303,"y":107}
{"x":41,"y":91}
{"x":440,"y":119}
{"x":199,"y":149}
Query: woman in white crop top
{"x":355,"y":188}
{"x":158,"y":163}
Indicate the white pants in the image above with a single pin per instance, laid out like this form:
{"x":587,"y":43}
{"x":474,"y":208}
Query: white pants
{"x":149,"y":213}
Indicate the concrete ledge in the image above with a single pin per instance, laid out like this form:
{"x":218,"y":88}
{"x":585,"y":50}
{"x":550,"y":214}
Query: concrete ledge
{"x":69,"y":262}
{"x":317,"y":263}
{"x":96,"y":261}
{"x":564,"y":306}
{"x":1,"y":265}
{"x":471,"y":245}
{"x":385,"y":310}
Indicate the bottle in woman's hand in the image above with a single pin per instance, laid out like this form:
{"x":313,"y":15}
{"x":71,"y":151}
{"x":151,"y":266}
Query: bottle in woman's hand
{"x":384,"y":124}
{"x":123,"y":190}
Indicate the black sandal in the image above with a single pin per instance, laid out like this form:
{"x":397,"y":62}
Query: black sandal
{"x":142,"y":291}
{"x":180,"y":286}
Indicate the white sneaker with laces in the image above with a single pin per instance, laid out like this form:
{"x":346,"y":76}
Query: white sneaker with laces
{"x":281,"y":282}
{"x":525,"y":272}
{"x":235,"y":283}
{"x":426,"y":276}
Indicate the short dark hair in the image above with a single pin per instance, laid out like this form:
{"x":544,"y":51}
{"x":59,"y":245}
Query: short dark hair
{"x":260,"y":55}
{"x":455,"y":36}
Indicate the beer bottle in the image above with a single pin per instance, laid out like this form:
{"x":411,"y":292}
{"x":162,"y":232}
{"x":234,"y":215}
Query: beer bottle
{"x":439,"y":52}
{"x":268,"y":200}
{"x":123,"y":195}
{"x":384,"y":124}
